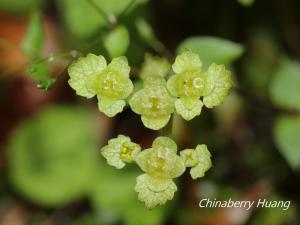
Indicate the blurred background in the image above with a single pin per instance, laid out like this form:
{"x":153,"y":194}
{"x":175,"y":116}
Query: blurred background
{"x":51,"y":172}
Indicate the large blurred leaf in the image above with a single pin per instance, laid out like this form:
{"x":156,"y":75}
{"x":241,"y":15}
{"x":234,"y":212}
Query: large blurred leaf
{"x":285,"y":86}
{"x":51,"y":156}
{"x":114,"y":193}
{"x":77,"y":11}
{"x":286,"y":134}
{"x":34,"y":40}
{"x":17,"y":6}
{"x":260,"y":63}
{"x":117,"y":41}
{"x":212,"y":49}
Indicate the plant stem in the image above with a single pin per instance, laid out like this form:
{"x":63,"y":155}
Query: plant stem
{"x":123,"y":13}
{"x":167,"y":131}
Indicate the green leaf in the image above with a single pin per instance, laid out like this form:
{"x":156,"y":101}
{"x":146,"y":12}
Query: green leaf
{"x":117,"y":42}
{"x":286,"y":134}
{"x":51,"y":156}
{"x":285,"y":86}
{"x":76,"y":11}
{"x":34,"y":40}
{"x":212,"y":49}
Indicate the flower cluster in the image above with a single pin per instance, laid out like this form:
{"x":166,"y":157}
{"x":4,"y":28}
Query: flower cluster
{"x":161,"y":165}
{"x":186,"y":91}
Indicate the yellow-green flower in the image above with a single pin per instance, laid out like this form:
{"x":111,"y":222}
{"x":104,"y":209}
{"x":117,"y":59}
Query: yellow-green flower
{"x":119,"y":151}
{"x":90,"y":76}
{"x":190,"y":83}
{"x":153,"y":103}
{"x":154,"y":66}
{"x":161,"y":164}
{"x":198,"y":159}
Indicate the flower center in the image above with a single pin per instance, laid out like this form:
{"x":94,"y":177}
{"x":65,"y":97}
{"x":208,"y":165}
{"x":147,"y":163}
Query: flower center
{"x":126,"y":152}
{"x":109,"y":83}
{"x":155,"y":103}
{"x":161,"y":159}
{"x":191,"y":83}
{"x":198,"y":83}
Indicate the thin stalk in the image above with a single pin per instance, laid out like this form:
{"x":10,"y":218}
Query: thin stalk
{"x":167,"y":131}
{"x":123,"y":13}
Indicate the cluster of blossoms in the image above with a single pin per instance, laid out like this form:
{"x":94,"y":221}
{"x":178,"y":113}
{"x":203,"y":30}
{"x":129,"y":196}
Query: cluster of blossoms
{"x":161,"y":164}
{"x":184,"y":91}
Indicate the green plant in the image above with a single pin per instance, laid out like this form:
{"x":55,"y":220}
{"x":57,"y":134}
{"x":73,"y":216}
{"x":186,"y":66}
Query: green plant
{"x":184,"y":92}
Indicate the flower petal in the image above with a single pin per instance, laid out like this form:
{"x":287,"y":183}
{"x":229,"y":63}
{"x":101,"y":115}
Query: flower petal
{"x":119,"y":140}
{"x":83,"y":70}
{"x":120,"y":65}
{"x":110,"y":107}
{"x":178,"y":167}
{"x":142,"y":159}
{"x":220,"y":82}
{"x":188,"y":108}
{"x":187,"y":60}
{"x":112,"y":156}
{"x":155,"y":123}
{"x":204,"y":162}
{"x":135,"y":101}
{"x":154,"y":191}
{"x":125,"y":88}
{"x":172,"y":85}
{"x":165,"y":142}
